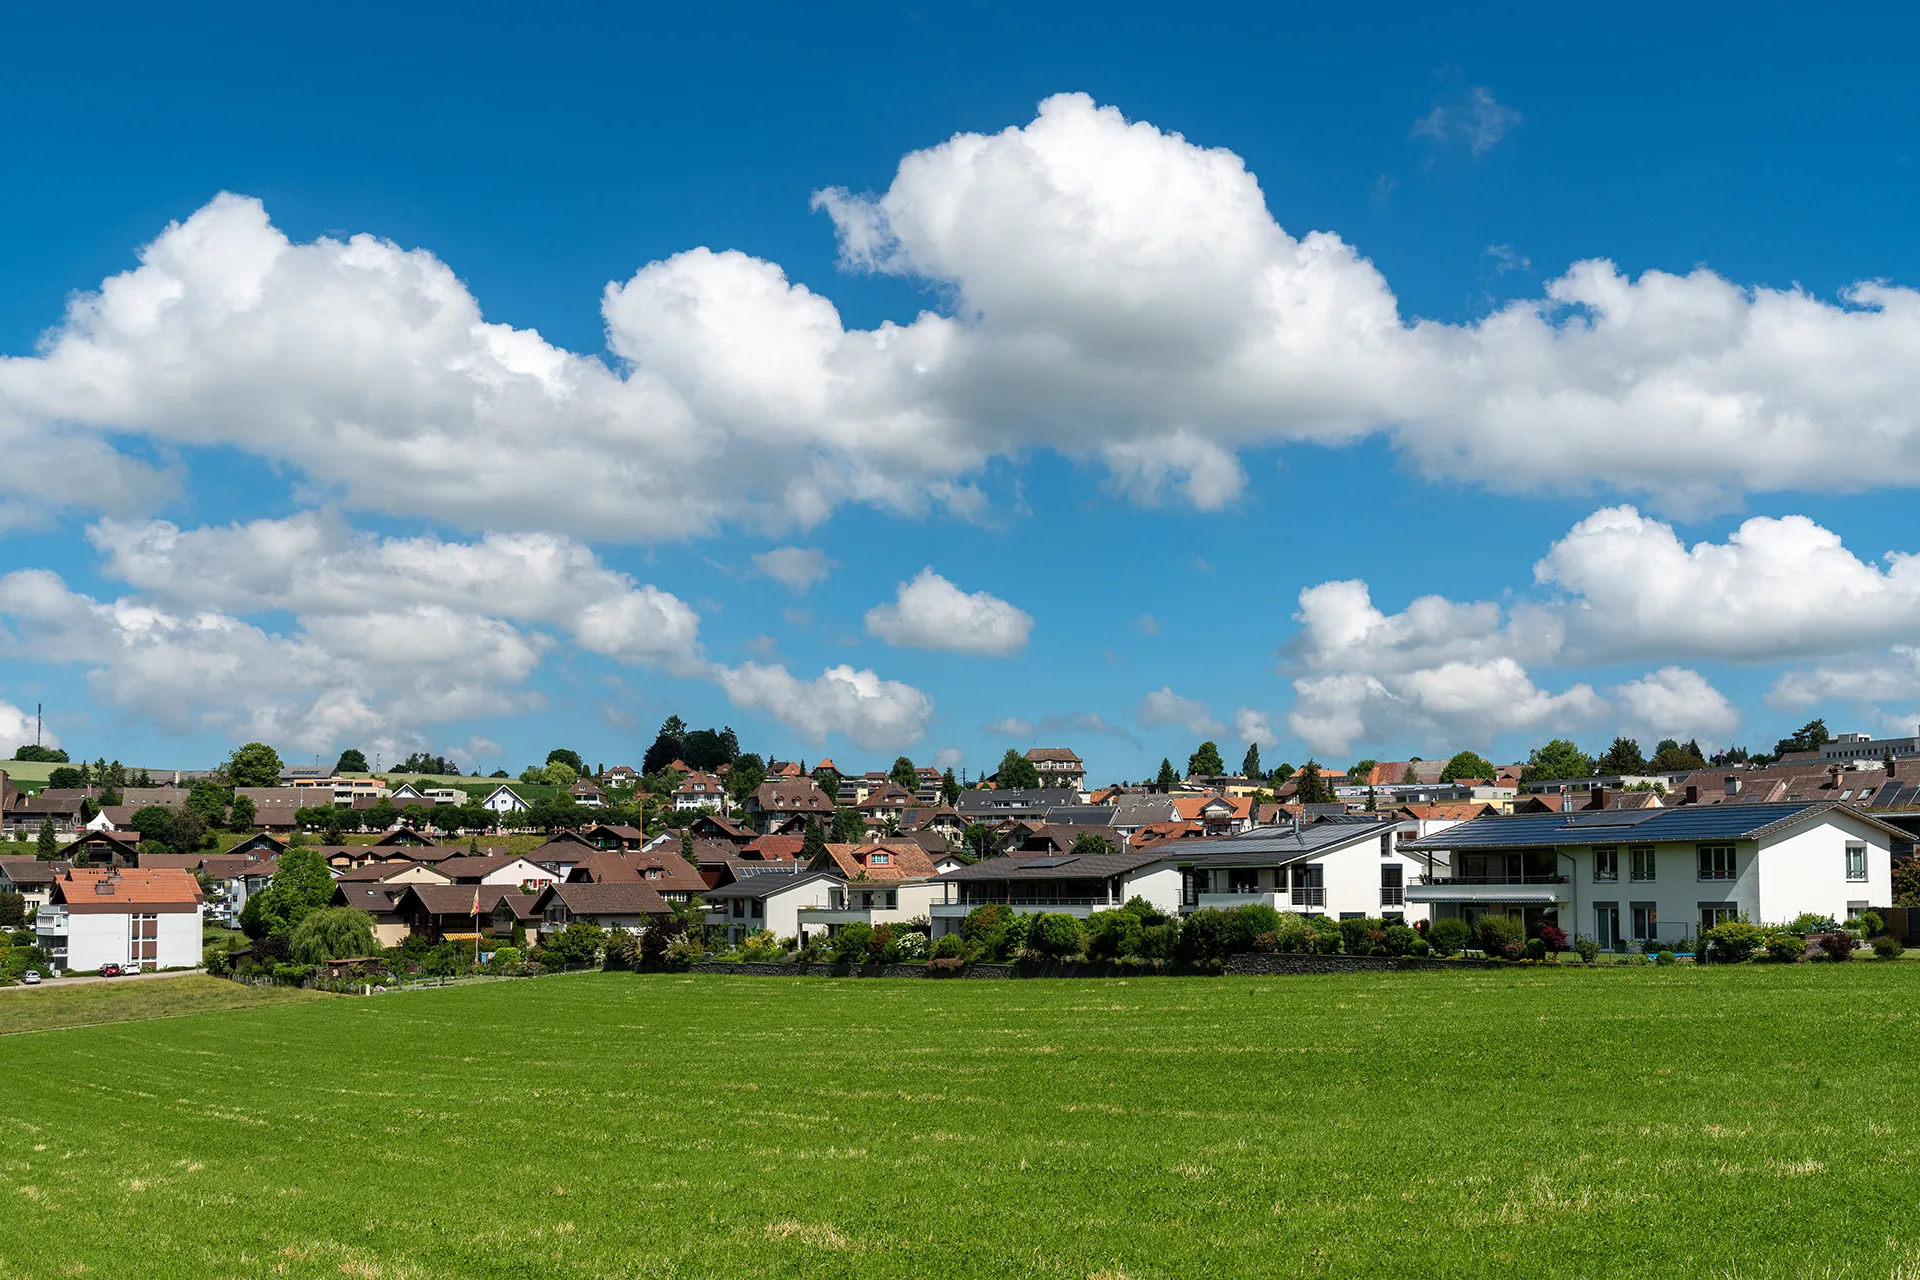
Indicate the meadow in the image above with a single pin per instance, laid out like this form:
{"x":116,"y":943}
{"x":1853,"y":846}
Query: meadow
{"x":1619,"y":1122}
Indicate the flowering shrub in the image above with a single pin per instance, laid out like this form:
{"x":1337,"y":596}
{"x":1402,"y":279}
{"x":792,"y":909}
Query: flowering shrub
{"x":1785,"y":948}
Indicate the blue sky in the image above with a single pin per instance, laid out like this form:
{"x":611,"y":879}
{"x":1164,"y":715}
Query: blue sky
{"x":1123,"y":462}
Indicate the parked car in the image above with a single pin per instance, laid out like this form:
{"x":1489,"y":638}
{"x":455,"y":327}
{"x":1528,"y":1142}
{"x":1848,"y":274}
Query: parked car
{"x":111,"y":971}
{"x":31,"y":977}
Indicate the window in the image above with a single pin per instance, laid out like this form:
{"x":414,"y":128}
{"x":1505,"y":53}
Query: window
{"x":893,"y":899}
{"x":1716,"y":862}
{"x":1856,"y":862}
{"x":1645,"y":926}
{"x":1713,"y":913}
{"x":1606,"y":864}
{"x":1392,"y":888}
{"x":879,"y":859}
{"x":145,"y":938}
{"x":1640,"y":858}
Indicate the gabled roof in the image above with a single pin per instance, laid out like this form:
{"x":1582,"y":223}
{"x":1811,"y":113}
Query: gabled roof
{"x":471,"y":869}
{"x":1039,"y":799}
{"x":456,"y":899}
{"x":897,"y":861}
{"x":621,"y":899}
{"x":375,"y":899}
{"x":1053,"y":755}
{"x":769,"y":883}
{"x":1640,"y":826}
{"x":30,"y":870}
{"x":375,"y":872}
{"x":604,"y":866}
{"x":792,"y":795}
{"x":87,"y":891}
{"x":1192,"y":808}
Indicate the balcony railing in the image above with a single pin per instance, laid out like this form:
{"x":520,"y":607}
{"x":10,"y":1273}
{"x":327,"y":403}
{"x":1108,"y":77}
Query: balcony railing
{"x":1498,"y":879}
{"x":1037,"y":902}
{"x":1309,"y":897}
{"x":1392,"y":896}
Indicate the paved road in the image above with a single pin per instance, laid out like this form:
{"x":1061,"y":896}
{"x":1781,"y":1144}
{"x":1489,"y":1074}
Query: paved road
{"x":84,"y":978}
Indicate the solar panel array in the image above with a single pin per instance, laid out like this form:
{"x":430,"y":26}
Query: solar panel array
{"x":1538,"y":830}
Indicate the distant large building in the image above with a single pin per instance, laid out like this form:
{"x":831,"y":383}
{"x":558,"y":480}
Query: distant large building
{"x":1859,"y":746}
{"x":1058,"y":767}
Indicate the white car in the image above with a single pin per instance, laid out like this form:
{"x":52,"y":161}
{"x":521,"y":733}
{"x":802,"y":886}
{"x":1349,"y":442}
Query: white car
{"x":31,"y":977}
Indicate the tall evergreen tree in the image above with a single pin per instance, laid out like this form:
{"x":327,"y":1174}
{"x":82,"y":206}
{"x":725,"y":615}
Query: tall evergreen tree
{"x":1167,"y":780}
{"x":1250,"y":765}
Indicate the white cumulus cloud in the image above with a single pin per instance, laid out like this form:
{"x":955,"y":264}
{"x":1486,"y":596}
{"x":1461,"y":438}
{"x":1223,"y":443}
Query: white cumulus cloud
{"x":1675,"y":702}
{"x":1254,"y":726}
{"x":16,"y":729}
{"x":1165,"y":707}
{"x":932,"y":613}
{"x":796,"y":567}
{"x":858,"y":705}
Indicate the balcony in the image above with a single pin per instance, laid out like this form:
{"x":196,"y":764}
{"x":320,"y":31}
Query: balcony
{"x":1513,"y":889}
{"x":49,"y":920}
{"x":1233,"y":899}
{"x":1392,"y":896}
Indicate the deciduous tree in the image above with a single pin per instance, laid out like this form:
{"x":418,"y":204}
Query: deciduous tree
{"x":254,"y":765}
{"x":1468,"y":764}
{"x":1016,"y":772}
{"x":333,"y":933}
{"x":1206,"y":761}
{"x":903,"y":773}
{"x":1556,"y":761}
{"x":1623,"y":757}
{"x":352,"y":760}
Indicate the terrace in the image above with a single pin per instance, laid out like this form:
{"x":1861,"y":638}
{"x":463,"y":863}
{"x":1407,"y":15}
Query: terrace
{"x":1519,"y":877}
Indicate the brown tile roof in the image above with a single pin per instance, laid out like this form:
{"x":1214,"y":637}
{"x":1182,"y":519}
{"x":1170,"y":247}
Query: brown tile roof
{"x":903,"y":861}
{"x":1190,"y":807}
{"x":1158,"y":833}
{"x":633,"y":899}
{"x":1053,"y":755}
{"x":374,"y":872}
{"x":777,"y":846}
{"x":31,"y":870}
{"x":163,"y":889}
{"x":457,"y":899}
{"x":1463,"y":810}
{"x":667,"y":871}
{"x":467,"y":869}
{"x":606,"y":866}
{"x":376,"y":899}
{"x":797,"y":795}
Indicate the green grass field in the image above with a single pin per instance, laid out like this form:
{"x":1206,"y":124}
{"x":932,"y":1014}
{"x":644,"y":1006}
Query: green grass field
{"x":47,"y":1008}
{"x":1645,"y":1122}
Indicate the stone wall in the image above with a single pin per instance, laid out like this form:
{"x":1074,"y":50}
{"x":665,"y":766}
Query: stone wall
{"x":1283,"y":962}
{"x":1259,"y":963}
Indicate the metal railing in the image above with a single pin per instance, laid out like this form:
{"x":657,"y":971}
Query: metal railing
{"x":1499,"y":879}
{"x":1392,"y":896}
{"x":1309,"y":897}
{"x":1035,"y":902}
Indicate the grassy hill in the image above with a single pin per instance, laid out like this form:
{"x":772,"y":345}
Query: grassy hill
{"x":1580,"y":1123}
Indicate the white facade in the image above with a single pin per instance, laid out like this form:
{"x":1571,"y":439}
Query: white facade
{"x":779,"y":912}
{"x":503,"y":799}
{"x":1157,"y":882}
{"x":1622,"y":890}
{"x":1365,"y":877}
{"x":700,"y":791}
{"x":84,"y":940}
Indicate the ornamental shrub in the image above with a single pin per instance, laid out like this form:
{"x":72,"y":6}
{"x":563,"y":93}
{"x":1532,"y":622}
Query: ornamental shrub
{"x":1293,"y":933}
{"x":879,"y":943}
{"x":1326,"y":944}
{"x":1734,"y":941}
{"x":1869,"y":923}
{"x":849,"y":946}
{"x":683,"y":950}
{"x":1497,"y":931}
{"x":1399,"y":939}
{"x":1056,"y":935}
{"x":761,"y":947}
{"x":912,"y":945}
{"x":1205,"y":936}
{"x":945,"y":966}
{"x":1421,"y":947}
{"x":1807,"y":923}
{"x":1665,"y":957}
{"x":1587,"y":948}
{"x":1835,"y":945}
{"x":1554,"y":936}
{"x":1450,"y":936}
{"x":1888,"y":947}
{"x":1161,"y":941}
{"x":1785,"y":948}
{"x":949,"y":946}
{"x":1362,"y":937}
{"x":1535,"y":949}
{"x":1249,"y":922}
{"x":1112,"y":934}
{"x":505,"y":958}
{"x":1148,"y":913}
{"x":1266,"y":942}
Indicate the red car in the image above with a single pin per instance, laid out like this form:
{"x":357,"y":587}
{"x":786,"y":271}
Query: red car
{"x":111,"y":971}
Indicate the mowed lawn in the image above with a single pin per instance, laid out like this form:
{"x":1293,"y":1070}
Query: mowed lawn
{"x":1649,"y":1122}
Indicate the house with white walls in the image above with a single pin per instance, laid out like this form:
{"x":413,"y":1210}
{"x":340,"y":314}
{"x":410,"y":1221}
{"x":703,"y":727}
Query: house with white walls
{"x":1627,"y":877}
{"x":1074,"y":884}
{"x":124,"y":916}
{"x":1343,"y":867}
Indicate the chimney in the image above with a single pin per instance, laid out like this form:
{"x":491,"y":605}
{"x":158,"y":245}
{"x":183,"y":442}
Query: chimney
{"x":1733,"y":785}
{"x":1693,"y":794}
{"x":1296,"y":825}
{"x":1599,"y":800}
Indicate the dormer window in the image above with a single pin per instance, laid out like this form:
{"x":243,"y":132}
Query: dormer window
{"x":879,"y":859}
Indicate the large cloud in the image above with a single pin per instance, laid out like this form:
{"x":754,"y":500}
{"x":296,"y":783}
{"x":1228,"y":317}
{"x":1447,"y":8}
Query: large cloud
{"x":932,"y":613}
{"x":1165,"y":707}
{"x":17,"y":727}
{"x":1116,"y":293}
{"x":389,"y":638}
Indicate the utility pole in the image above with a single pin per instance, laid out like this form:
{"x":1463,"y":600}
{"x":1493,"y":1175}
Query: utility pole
{"x":39,"y":718}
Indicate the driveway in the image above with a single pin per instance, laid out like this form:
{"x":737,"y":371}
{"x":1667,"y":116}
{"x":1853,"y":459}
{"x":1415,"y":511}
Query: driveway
{"x":84,"y":978}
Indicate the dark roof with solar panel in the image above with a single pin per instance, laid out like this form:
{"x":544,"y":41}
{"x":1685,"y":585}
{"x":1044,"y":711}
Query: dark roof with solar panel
{"x":1644,"y":826}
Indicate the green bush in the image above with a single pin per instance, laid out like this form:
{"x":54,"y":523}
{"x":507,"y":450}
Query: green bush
{"x":850,"y":944}
{"x":761,"y":947}
{"x":506,"y":958}
{"x":1112,"y":934}
{"x":1869,"y":923}
{"x":1587,"y":948}
{"x":1293,"y":933}
{"x":1206,"y":935}
{"x":1450,"y":936}
{"x":994,"y":933}
{"x":1536,"y":949}
{"x":1785,"y":948}
{"x":1326,"y":944}
{"x":1324,"y":924}
{"x":1356,"y":936}
{"x":1147,"y":913}
{"x":684,"y":950}
{"x":1161,"y":941}
{"x":578,"y":943}
{"x":1421,"y":947}
{"x":1498,"y":932}
{"x":950,"y":946}
{"x":1888,"y":947}
{"x":1665,"y":957}
{"x":1056,"y":935}
{"x":1399,"y":939}
{"x":1808,"y":923}
{"x":1249,"y":922}
{"x":912,"y":945}
{"x":1734,"y":941}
